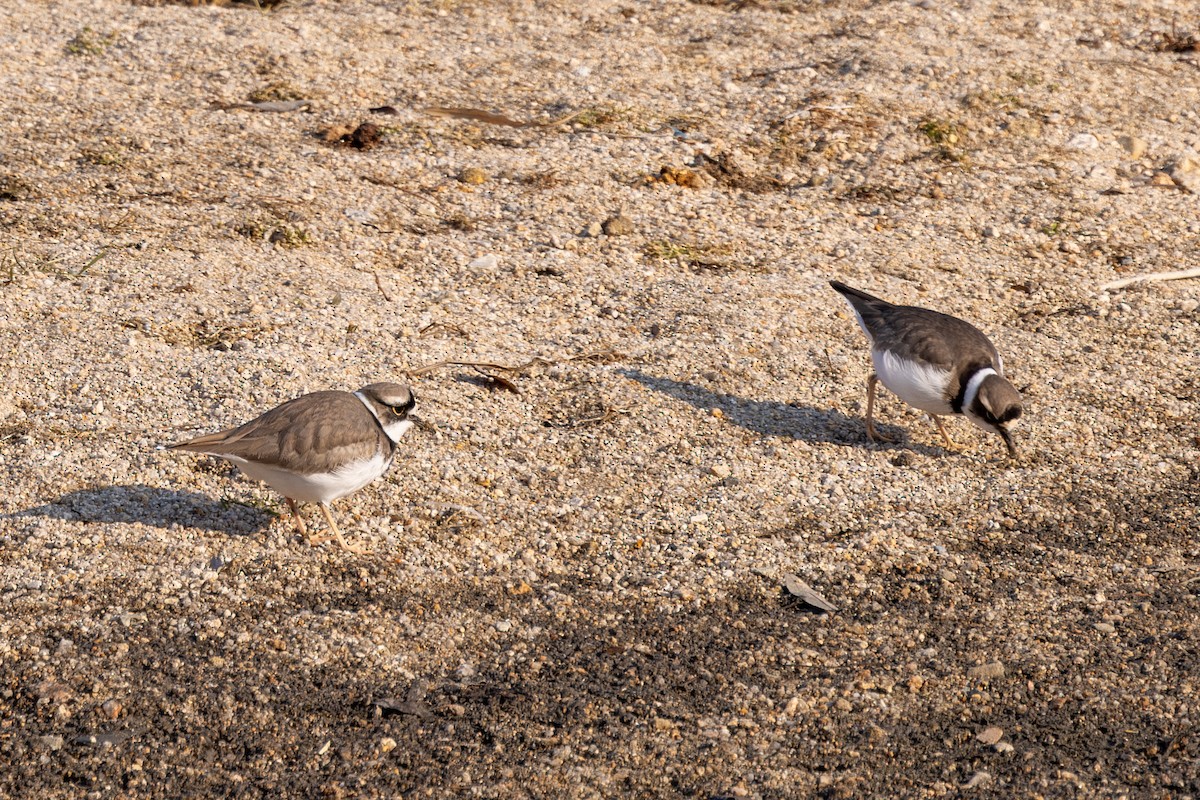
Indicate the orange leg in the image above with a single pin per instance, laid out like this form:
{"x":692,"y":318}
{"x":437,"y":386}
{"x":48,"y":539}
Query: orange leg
{"x":334,"y":534}
{"x":950,"y":445}
{"x":872,"y":434}
{"x":300,"y":526}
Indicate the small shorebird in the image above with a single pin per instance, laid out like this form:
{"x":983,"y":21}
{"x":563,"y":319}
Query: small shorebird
{"x":318,"y":447}
{"x":934,"y":362}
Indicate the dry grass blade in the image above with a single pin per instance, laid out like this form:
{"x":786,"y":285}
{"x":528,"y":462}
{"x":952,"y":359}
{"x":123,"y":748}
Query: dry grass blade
{"x":599,"y":356}
{"x":442,"y":327}
{"x":379,"y":285}
{"x":605,"y":356}
{"x":393,"y":185}
{"x":605,"y":415}
{"x":477,"y":115}
{"x":498,"y":383}
{"x":266,"y":106}
{"x":478,"y":365}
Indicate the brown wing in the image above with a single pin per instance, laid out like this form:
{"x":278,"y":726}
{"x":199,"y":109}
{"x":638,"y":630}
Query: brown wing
{"x":941,"y":340}
{"x":946,"y":342}
{"x":314,"y":433}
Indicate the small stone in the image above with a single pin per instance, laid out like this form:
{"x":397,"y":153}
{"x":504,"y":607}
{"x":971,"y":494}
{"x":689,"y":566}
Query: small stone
{"x":503,"y":626}
{"x":1188,"y":306}
{"x":489,"y":261}
{"x":696,"y":519}
{"x":1003,"y":747}
{"x":593,"y":229}
{"x":54,"y":692}
{"x":1185,"y":172}
{"x":52,"y":742}
{"x":980,"y":778}
{"x":111,"y":709}
{"x":986,"y":672}
{"x":990,"y":232}
{"x":1186,"y":164}
{"x":990,"y":735}
{"x":387,"y":744}
{"x":457,"y":710}
{"x":1161,"y":179}
{"x":618,"y":225}
{"x":1136,"y":147}
{"x":721,"y":471}
{"x":1105,"y":627}
{"x":1083,"y":141}
{"x":473,"y":176}
{"x":365,"y":136}
{"x":663,"y":725}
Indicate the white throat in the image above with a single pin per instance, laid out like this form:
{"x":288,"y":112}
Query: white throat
{"x":973,"y":385}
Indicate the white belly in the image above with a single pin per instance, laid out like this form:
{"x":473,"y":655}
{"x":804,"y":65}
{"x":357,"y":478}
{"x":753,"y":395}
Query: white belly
{"x":322,"y":487}
{"x":919,"y":385}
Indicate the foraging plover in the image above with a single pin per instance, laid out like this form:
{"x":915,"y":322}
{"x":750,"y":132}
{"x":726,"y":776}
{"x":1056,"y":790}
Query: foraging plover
{"x":318,"y":447}
{"x":934,"y":362}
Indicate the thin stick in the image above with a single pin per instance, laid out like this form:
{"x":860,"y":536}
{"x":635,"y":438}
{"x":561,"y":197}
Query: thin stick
{"x":478,"y":365}
{"x":480,"y":115}
{"x":1152,"y":276}
{"x":379,"y":285}
{"x":535,"y":361}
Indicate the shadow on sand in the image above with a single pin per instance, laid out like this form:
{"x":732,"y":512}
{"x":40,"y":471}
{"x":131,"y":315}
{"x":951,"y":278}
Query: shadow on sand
{"x":162,"y":508}
{"x":771,"y":418}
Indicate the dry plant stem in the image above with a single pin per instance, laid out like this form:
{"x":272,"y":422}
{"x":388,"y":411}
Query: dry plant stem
{"x":1152,"y":276}
{"x":379,"y":285}
{"x":479,"y":115}
{"x":536,"y":361}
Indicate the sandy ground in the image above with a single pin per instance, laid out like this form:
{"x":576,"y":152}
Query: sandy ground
{"x":578,"y":588}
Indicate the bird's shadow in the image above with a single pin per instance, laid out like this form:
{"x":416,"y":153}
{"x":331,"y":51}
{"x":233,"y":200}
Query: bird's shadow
{"x":149,"y":505}
{"x":771,"y":418}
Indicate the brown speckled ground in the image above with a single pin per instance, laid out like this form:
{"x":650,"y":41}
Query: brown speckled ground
{"x":577,"y":590}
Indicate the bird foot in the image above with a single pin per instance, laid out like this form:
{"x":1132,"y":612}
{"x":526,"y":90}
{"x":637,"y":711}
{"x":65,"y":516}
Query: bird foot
{"x":875,"y":436}
{"x":320,"y":538}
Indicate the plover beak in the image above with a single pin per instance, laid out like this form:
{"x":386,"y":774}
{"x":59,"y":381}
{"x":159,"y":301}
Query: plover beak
{"x":1008,"y":441}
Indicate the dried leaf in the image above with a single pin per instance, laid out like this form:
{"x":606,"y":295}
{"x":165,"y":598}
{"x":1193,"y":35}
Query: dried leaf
{"x":806,"y":594}
{"x":415,"y":707}
{"x":990,"y":735}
